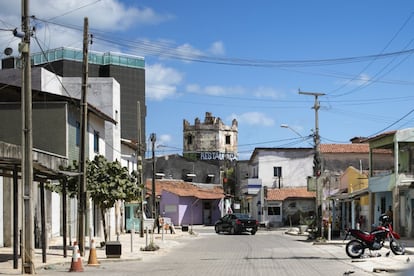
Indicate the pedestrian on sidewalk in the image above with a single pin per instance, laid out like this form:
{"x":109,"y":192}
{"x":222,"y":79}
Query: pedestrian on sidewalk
{"x":159,"y":223}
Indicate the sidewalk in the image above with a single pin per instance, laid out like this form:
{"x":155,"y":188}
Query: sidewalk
{"x":375,"y":261}
{"x":131,"y":245}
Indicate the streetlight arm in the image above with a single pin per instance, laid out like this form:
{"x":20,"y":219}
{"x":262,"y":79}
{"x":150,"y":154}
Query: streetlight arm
{"x":297,"y":133}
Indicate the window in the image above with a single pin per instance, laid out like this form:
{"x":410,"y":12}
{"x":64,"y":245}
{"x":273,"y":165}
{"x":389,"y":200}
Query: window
{"x":273,"y":211}
{"x":210,"y":178}
{"x":228,"y":139}
{"x":96,"y":141}
{"x":78,"y":135}
{"x":277,"y":171}
{"x":292,"y":205}
{"x":189,"y":140}
{"x":383,"y":205}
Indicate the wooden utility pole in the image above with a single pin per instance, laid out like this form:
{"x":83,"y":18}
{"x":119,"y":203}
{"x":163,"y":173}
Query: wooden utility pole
{"x":83,"y":148}
{"x":27,"y":146}
{"x":317,"y":157}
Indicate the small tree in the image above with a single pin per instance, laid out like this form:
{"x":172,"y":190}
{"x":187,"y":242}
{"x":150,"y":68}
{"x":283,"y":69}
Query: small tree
{"x":107,"y":182}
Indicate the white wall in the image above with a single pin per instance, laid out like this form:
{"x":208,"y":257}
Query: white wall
{"x":96,"y":124}
{"x":296,"y":167}
{"x":104,"y":94}
{"x":128,"y":158}
{"x":55,"y":221}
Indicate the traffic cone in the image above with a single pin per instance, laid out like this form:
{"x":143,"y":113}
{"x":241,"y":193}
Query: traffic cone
{"x":76,"y":265}
{"x":92,"y":254}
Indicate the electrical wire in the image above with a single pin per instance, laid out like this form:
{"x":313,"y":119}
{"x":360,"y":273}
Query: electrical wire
{"x":166,"y":50}
{"x":393,"y":124}
{"x":372,"y":61}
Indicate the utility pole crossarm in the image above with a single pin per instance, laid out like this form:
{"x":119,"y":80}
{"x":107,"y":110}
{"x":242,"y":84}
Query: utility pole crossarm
{"x":316,"y":106}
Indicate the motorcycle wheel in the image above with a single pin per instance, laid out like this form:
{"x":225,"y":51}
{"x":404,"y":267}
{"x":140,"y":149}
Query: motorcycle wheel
{"x":396,"y":247}
{"x":354,"y":249}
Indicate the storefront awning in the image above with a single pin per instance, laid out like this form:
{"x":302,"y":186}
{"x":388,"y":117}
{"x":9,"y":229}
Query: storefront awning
{"x":350,"y":196}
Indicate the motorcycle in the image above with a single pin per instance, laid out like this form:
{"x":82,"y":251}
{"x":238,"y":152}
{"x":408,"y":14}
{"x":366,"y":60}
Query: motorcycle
{"x":373,"y":240}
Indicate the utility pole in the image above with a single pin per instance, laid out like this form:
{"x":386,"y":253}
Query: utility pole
{"x":153,"y":138}
{"x":82,"y":150}
{"x":27,"y":146}
{"x":316,"y":157}
{"x":140,"y":177}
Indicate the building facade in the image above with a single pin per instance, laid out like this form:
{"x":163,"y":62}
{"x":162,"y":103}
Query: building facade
{"x":127,"y":70}
{"x":392,"y":189}
{"x":210,"y":140}
{"x":274,"y":169}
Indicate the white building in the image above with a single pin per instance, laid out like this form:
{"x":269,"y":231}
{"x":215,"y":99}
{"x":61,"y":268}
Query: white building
{"x":275,"y":168}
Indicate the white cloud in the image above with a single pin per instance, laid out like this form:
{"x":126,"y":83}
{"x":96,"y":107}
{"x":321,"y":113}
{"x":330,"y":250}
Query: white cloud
{"x":164,"y":139}
{"x":254,"y":118}
{"x":193,"y":88}
{"x":161,"y":81}
{"x":267,"y":92}
{"x":187,"y":50}
{"x":107,"y":15}
{"x":104,"y":15}
{"x":363,"y":79}
{"x":217,"y":48}
{"x":215,"y":90}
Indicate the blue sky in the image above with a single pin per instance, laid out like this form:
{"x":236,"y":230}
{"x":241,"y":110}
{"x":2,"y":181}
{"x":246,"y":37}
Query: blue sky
{"x":247,"y":60}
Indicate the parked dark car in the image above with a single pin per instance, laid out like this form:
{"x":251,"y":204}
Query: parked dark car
{"x":236,"y":223}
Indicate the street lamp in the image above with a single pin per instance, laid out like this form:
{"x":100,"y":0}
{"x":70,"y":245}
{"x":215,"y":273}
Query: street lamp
{"x":296,"y":132}
{"x":287,"y":126}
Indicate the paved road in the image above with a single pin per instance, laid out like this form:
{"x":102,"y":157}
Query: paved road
{"x":266,"y":253}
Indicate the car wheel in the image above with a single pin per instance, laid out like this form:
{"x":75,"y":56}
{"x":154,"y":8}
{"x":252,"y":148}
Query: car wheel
{"x":216,"y":228}
{"x":253,"y":232}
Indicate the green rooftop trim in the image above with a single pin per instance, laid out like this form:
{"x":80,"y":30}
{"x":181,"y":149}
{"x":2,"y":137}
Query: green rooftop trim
{"x":107,"y":58}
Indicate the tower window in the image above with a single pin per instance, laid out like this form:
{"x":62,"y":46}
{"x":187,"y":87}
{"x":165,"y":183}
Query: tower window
{"x":228,"y":139}
{"x":189,"y":140}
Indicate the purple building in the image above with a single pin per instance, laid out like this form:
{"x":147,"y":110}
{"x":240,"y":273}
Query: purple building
{"x":188,"y":203}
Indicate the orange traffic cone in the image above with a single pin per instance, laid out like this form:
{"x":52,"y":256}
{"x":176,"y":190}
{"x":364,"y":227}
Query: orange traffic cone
{"x":76,"y":265}
{"x":92,"y":254}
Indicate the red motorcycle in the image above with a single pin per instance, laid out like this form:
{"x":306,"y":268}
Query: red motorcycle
{"x":373,"y":240}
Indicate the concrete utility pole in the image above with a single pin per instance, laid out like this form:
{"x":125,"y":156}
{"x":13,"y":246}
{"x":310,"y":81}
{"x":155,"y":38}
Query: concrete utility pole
{"x":140,"y":178}
{"x":316,"y":158}
{"x":153,"y":138}
{"x":27,"y":146}
{"x":83,"y":148}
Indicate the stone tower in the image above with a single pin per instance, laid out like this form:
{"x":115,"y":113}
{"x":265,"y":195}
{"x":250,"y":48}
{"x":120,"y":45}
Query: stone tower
{"x":210,"y":140}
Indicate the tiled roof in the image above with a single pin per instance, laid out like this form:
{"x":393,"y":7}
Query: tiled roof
{"x":182,"y":188}
{"x":284,"y":193}
{"x":344,"y":148}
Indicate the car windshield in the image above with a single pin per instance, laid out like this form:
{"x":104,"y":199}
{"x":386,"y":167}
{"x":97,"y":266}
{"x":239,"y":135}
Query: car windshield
{"x":242,"y":216}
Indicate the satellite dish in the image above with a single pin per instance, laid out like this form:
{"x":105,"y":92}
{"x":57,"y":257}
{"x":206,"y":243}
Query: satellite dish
{"x":8,"y":51}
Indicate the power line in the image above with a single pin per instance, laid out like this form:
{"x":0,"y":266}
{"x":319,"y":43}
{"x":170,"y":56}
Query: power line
{"x":393,"y":124}
{"x":168,"y":51}
{"x":372,"y":61}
